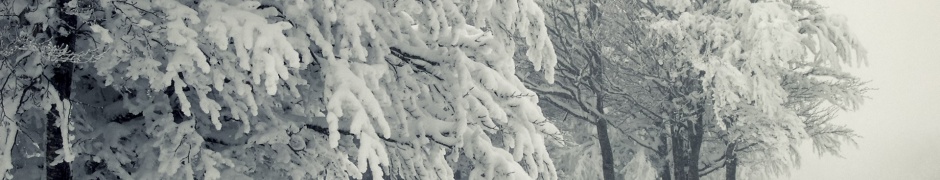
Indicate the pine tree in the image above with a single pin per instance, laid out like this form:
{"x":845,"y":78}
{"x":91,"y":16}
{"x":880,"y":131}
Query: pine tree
{"x":294,"y":89}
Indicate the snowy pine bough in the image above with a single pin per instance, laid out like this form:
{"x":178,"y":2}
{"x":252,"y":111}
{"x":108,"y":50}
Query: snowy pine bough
{"x":295,"y":89}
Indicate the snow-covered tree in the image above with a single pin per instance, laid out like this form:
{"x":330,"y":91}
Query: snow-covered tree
{"x":38,"y":65}
{"x":298,"y":89}
{"x":703,"y":85}
{"x":614,"y":75}
{"x":580,"y":96}
{"x":745,"y":51}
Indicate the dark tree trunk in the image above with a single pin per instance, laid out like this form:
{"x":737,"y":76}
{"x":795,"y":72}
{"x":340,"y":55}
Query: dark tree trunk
{"x":665,"y":175}
{"x":695,"y":144}
{"x":62,"y":82}
{"x":607,"y":155}
{"x":666,"y":172}
{"x":680,"y":154}
{"x":731,"y":169}
{"x":687,"y":145}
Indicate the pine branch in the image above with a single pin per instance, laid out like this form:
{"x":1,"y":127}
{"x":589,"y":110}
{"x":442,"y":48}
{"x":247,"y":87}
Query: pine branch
{"x":326,"y":131}
{"x":126,"y":118}
{"x":410,"y":58}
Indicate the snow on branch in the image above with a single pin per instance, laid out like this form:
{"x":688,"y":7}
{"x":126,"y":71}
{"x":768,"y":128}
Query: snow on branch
{"x":326,"y":131}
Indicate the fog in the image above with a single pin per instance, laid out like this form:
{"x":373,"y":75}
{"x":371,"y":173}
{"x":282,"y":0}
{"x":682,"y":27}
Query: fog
{"x":900,"y":124}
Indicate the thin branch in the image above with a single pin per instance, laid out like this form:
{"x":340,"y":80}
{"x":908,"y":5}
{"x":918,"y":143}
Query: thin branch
{"x":326,"y":131}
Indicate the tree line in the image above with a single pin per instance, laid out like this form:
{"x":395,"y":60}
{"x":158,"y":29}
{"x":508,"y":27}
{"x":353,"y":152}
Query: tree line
{"x":420,"y":89}
{"x":697,"y":89}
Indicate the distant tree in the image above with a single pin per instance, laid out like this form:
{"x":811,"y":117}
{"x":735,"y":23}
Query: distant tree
{"x":747,"y":59}
{"x":581,"y":93}
{"x":703,"y":85}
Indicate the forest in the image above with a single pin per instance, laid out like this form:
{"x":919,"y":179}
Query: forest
{"x":422,"y":89}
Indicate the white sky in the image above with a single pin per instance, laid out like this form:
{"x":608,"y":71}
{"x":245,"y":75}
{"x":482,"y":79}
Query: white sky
{"x":900,"y":124}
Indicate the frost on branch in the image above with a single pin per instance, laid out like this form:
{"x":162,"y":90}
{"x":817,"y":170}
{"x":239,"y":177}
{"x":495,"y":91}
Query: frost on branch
{"x":742,"y":57}
{"x":322,"y":89}
{"x":8,"y":130}
{"x":749,"y":55}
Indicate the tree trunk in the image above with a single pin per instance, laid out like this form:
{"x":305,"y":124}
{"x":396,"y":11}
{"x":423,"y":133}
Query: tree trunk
{"x":731,"y":169}
{"x":695,"y":147}
{"x":670,"y":151}
{"x":665,"y":151}
{"x":666,"y":173}
{"x":607,"y":155}
{"x":680,"y":154}
{"x":686,"y":148}
{"x":62,"y":82}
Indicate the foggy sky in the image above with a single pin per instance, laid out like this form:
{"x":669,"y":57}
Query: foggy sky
{"x":900,"y":124}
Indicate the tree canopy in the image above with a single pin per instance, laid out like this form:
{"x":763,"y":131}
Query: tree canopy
{"x":420,"y":89}
{"x":285,"y":89}
{"x":700,"y":85}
